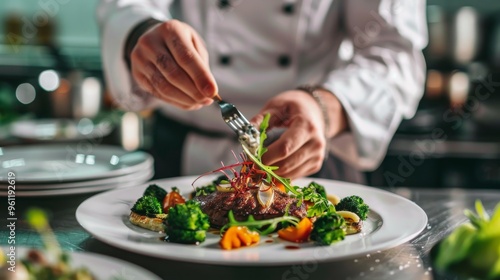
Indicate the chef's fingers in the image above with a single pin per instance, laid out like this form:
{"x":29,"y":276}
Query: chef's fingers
{"x":175,"y":75}
{"x":180,"y":44}
{"x":141,"y":80}
{"x":276,"y":118}
{"x":169,"y":93}
{"x":297,"y":134}
{"x":200,"y":46}
{"x":309,"y":167}
{"x":311,"y":154}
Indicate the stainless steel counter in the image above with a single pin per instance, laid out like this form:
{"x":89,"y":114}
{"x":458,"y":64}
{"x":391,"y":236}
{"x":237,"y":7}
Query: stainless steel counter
{"x":408,"y":261}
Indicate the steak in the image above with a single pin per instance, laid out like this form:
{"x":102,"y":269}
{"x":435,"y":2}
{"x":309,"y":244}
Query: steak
{"x":217,"y":205}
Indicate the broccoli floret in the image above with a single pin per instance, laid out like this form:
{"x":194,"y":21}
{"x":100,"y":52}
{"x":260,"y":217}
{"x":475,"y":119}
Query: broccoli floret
{"x":148,"y":206}
{"x":186,"y":236}
{"x":156,"y":191}
{"x":187,"y":216}
{"x":186,"y":223}
{"x":319,"y":189}
{"x":354,"y":204}
{"x":328,"y":229}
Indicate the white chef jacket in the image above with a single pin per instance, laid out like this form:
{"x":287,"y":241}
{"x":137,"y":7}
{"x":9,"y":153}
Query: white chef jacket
{"x":367,"y":52}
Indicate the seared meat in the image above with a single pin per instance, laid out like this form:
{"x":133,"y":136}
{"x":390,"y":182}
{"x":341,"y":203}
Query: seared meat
{"x":216,"y":205}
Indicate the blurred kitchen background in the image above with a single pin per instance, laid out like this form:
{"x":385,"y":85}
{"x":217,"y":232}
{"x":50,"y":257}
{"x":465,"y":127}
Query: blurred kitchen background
{"x":52,"y":90}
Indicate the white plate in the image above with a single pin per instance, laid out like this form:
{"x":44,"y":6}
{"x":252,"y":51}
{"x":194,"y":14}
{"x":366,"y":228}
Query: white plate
{"x":393,"y":220}
{"x":59,"y":129}
{"x":139,"y":174}
{"x":69,"y":163}
{"x":103,"y":267}
{"x":91,"y":189}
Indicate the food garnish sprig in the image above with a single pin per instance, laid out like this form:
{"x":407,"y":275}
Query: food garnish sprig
{"x":263,"y":227}
{"x":257,"y":160}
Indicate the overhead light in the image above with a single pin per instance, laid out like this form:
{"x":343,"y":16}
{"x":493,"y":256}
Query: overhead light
{"x":25,"y":93}
{"x":49,"y":80}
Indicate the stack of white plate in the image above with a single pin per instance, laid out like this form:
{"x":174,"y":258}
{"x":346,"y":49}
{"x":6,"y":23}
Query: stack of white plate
{"x":48,"y":170}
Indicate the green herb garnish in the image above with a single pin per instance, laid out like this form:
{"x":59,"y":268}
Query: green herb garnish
{"x":263,"y":227}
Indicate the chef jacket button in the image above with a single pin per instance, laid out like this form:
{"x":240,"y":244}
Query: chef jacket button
{"x":225,"y":60}
{"x":288,"y":8}
{"x":223,"y":4}
{"x":284,"y":61}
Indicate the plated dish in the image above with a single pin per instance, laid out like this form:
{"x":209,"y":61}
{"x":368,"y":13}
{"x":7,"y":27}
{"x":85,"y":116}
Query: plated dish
{"x":392,"y":221}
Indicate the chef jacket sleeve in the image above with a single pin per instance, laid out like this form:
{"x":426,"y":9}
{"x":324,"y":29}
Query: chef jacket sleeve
{"x":117,"y":18}
{"x":383,"y":81}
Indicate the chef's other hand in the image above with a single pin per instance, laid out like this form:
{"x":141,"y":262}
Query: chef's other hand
{"x":170,"y":61}
{"x":300,"y":150}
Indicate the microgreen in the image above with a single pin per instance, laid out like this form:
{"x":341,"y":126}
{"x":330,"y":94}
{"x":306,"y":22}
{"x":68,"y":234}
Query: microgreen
{"x":263,"y":227}
{"x":320,"y":204}
{"x":263,"y":136}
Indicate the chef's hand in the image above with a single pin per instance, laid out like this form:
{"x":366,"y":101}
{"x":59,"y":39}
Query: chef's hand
{"x":170,"y":61}
{"x":300,"y":150}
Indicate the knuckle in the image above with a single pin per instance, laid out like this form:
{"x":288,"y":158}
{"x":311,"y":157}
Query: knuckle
{"x":171,"y":25}
{"x":135,"y":55}
{"x":164,"y":61}
{"x":185,"y":56}
{"x":318,"y":144}
{"x":157,"y":80}
{"x":167,"y":64}
{"x":286,"y":148}
{"x":145,"y":41}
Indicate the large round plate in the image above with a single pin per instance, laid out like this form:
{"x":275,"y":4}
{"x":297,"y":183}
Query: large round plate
{"x":69,"y":163}
{"x":393,"y":220}
{"x":103,"y":267}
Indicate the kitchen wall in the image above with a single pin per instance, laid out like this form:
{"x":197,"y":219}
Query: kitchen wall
{"x":74,"y":19}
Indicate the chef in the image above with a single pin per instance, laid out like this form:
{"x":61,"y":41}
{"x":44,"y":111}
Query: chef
{"x":337,"y":76}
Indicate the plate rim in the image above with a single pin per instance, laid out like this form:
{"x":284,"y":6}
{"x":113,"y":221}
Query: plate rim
{"x":239,"y":262}
{"x":123,"y":178}
{"x":16,"y":129}
{"x":81,"y":190}
{"x":148,"y":160}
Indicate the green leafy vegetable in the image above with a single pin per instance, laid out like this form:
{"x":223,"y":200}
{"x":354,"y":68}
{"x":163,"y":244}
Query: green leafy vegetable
{"x":270,"y":171}
{"x":258,"y":160}
{"x":319,"y":189}
{"x":262,"y":227}
{"x":210,"y":188}
{"x":473,"y":249}
{"x":328,"y":229}
{"x":156,"y":191}
{"x":263,"y":136}
{"x":354,"y":204}
{"x":148,"y":206}
{"x":185,"y":236}
{"x":188,"y":216}
{"x":186,"y":223}
{"x":313,"y":193}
